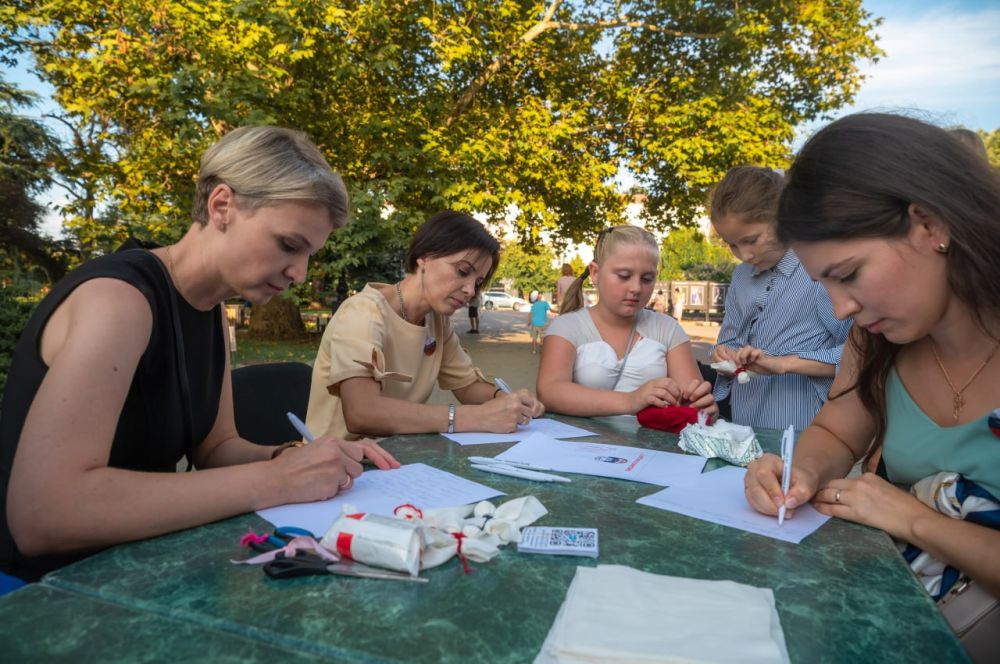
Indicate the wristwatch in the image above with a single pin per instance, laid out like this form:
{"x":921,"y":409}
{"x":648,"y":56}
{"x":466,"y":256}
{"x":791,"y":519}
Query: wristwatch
{"x":451,"y":418}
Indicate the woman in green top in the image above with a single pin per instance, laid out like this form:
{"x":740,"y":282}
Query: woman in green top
{"x":899,"y":221}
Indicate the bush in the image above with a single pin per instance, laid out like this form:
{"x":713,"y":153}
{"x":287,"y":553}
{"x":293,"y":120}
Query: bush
{"x":15,"y":309}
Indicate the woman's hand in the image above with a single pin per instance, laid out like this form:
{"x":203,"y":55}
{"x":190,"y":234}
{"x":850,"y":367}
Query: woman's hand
{"x":502,"y":414}
{"x":537,"y":407}
{"x":698,"y":394}
{"x":762,"y":486}
{"x":366,"y":448}
{"x":319,"y":470}
{"x":872,"y":501}
{"x":657,"y":392}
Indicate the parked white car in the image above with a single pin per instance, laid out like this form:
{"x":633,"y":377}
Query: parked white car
{"x":501,"y":300}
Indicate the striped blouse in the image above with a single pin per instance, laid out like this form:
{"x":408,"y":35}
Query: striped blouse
{"x":783,"y":312}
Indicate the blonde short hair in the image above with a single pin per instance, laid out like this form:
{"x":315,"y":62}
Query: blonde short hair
{"x":268,"y":165}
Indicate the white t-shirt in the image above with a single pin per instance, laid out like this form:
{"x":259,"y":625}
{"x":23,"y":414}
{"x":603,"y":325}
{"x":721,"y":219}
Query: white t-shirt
{"x":597,"y":364}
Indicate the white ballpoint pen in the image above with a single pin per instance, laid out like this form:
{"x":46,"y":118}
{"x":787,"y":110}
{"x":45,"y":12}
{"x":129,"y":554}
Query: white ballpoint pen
{"x":502,"y":385}
{"x":524,"y":474}
{"x":490,"y":461}
{"x":787,"y":452}
{"x":301,"y":427}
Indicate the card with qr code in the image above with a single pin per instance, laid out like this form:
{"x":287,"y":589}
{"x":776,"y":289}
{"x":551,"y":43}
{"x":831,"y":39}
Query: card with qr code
{"x":559,"y":541}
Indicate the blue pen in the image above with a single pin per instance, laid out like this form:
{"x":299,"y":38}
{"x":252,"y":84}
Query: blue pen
{"x":301,"y":427}
{"x":502,"y":386}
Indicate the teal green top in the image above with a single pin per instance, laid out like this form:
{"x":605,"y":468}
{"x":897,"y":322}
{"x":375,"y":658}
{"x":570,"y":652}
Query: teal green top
{"x":916,"y":447}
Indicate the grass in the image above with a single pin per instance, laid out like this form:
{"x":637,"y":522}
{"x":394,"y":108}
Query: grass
{"x":253,"y":351}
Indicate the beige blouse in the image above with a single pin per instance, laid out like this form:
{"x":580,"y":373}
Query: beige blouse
{"x":366,"y":337}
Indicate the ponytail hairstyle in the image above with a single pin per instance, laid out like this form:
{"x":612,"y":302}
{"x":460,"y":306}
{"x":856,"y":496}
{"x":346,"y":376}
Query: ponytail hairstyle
{"x":749,"y":192}
{"x":608,"y":241}
{"x":857,"y":177}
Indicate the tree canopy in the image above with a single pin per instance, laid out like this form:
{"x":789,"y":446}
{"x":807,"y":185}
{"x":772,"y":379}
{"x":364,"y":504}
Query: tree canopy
{"x":25,"y":150}
{"x":528,"y":270}
{"x":686,"y":254}
{"x":516,"y":109}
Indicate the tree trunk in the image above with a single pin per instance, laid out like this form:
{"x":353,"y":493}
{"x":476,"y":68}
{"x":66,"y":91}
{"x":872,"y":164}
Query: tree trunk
{"x":278,"y":320}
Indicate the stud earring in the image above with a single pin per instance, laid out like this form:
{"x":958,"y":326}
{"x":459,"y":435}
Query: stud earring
{"x":942,"y":248}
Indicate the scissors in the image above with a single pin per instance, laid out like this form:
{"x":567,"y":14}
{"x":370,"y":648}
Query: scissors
{"x":308,"y":564}
{"x":282,"y":536}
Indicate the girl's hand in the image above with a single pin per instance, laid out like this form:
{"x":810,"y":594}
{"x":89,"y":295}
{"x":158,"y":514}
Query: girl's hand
{"x":319,"y":470}
{"x":762,"y":486}
{"x":872,"y":501}
{"x":768,"y":365}
{"x":698,"y":394}
{"x":657,"y":392}
{"x":366,"y":448}
{"x":748,"y":355}
{"x":723,"y":354}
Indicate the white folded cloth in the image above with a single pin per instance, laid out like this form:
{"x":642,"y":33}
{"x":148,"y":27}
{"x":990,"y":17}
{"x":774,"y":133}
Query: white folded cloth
{"x":614,"y":613}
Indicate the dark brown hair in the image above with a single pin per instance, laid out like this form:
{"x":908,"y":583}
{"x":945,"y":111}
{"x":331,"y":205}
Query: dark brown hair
{"x":857,"y":177}
{"x":750,"y":192}
{"x":450,"y":232}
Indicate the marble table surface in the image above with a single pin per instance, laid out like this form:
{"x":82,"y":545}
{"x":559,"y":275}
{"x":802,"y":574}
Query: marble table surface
{"x":843,"y":594}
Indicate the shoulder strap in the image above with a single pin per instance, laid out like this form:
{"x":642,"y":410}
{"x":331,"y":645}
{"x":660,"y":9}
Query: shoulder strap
{"x":628,"y":349}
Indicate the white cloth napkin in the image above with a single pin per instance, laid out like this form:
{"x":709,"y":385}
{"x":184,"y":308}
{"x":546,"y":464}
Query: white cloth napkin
{"x":616,"y":614}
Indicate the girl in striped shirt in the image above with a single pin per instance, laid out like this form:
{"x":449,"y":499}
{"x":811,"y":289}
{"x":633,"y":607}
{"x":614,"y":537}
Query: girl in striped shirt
{"x":779,"y":323}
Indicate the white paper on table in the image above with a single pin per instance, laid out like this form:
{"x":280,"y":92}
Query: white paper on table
{"x":617,"y":614}
{"x":544,"y":425}
{"x":718,"y":497}
{"x":380,"y":492}
{"x":606,"y":460}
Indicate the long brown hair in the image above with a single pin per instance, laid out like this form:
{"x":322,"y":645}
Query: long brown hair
{"x":857,"y":177}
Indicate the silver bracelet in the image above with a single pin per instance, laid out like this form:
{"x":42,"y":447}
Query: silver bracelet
{"x":451,"y":418}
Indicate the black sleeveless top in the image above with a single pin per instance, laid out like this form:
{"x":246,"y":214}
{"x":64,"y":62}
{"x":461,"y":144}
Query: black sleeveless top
{"x":152,"y":433}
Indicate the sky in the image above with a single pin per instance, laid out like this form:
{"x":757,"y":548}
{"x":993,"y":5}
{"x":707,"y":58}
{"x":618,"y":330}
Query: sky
{"x":942,"y":62}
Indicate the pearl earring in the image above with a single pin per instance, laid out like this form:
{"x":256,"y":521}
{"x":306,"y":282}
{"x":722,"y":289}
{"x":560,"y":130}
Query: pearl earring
{"x":942,"y":248}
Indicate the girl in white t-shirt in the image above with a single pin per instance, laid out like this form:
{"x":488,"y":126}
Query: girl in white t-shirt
{"x":617,"y":357}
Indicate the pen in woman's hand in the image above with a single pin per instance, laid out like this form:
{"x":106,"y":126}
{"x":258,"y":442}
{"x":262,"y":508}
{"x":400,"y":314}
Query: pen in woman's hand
{"x":301,"y":427}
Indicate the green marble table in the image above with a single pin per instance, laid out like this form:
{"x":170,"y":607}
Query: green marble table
{"x":45,"y":624}
{"x":843,"y":594}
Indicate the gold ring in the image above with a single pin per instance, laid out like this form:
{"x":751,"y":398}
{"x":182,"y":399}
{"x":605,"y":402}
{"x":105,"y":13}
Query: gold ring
{"x":836,"y":497}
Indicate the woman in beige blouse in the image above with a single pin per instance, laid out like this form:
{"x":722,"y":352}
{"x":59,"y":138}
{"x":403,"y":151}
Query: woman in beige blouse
{"x":386,"y":346}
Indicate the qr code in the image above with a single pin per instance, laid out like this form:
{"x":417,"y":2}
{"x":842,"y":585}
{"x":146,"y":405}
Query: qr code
{"x":570,"y":537}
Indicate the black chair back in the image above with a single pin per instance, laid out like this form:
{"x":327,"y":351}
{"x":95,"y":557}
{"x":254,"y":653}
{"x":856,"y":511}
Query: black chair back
{"x":263,"y":394}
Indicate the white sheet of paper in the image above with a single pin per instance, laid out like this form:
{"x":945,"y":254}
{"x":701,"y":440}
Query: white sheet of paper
{"x":547,"y":426}
{"x":380,"y":492}
{"x":718,"y":497}
{"x":606,"y":460}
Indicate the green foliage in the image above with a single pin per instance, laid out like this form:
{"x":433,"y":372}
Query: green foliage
{"x":528,"y":270}
{"x":687,"y":255}
{"x":577,"y":264}
{"x":16,"y":305}
{"x":510,"y":108}
{"x":25,"y":147}
{"x":991,"y":139}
